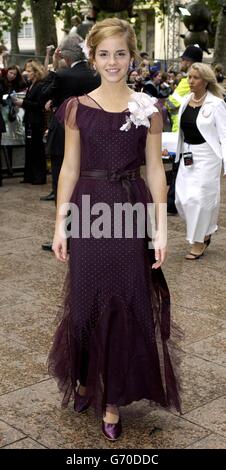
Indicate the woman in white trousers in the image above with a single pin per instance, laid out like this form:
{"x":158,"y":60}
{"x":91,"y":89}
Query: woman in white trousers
{"x":201,"y":149}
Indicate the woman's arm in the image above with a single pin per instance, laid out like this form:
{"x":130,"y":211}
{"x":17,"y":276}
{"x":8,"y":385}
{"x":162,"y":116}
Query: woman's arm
{"x":2,"y":89}
{"x":220,"y":121}
{"x":156,"y":181}
{"x":32,"y":101}
{"x":68,"y":178}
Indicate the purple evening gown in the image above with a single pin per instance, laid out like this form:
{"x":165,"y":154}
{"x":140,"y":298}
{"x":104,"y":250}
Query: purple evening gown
{"x":115,"y":322}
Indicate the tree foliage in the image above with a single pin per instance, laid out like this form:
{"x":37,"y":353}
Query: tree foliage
{"x":214,"y":7}
{"x":69,"y":10}
{"x":220,"y":38}
{"x":11,"y":20}
{"x":44,"y":13}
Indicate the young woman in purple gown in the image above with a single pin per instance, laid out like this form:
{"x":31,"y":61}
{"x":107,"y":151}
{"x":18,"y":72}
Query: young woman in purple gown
{"x":110,"y":347}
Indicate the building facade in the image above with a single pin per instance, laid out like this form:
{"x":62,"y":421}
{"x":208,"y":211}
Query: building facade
{"x":159,"y":37}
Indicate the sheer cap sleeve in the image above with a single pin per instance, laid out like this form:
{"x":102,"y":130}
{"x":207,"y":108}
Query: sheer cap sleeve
{"x":66,"y":113}
{"x":156,"y":122}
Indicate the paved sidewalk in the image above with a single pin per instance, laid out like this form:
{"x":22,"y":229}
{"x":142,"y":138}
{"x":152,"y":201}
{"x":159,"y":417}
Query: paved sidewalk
{"x":30,"y":282}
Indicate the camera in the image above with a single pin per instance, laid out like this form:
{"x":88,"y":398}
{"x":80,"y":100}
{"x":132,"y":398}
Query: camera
{"x":51,"y":47}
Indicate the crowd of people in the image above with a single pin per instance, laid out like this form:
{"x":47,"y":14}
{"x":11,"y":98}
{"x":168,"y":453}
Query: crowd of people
{"x":169,"y":87}
{"x":111,"y":346}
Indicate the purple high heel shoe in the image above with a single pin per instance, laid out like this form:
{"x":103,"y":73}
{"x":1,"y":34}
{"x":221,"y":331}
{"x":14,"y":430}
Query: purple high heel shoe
{"x":112,"y":431}
{"x":81,"y":403}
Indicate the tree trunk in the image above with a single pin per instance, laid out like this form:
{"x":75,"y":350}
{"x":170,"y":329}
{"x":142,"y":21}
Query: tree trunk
{"x":44,"y":24}
{"x":15,"y":27}
{"x":220,"y":40}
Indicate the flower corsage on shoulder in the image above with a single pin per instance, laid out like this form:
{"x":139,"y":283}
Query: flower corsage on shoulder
{"x":141,"y":108}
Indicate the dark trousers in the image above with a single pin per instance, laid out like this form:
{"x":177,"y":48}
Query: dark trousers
{"x":9,"y":150}
{"x":171,"y":193}
{"x":56,"y":163}
{"x":35,"y":159}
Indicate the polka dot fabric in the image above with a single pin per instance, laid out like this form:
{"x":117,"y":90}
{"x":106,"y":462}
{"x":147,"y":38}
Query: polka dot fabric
{"x":115,"y":322}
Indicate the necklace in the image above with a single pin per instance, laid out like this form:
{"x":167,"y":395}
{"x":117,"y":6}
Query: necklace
{"x":200,"y":99}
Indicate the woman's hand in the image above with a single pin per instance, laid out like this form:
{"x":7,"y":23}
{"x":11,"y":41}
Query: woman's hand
{"x":48,"y":105}
{"x":57,"y":53}
{"x":160,"y":256}
{"x":59,"y":247}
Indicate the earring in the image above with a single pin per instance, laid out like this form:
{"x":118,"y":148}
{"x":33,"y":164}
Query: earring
{"x":94,"y":67}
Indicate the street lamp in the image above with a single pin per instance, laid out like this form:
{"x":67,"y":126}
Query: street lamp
{"x":183,"y":10}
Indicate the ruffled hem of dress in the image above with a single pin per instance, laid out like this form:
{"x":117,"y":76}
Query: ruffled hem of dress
{"x":120,"y":363}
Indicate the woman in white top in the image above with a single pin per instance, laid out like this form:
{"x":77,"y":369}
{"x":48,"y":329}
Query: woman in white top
{"x":202,"y":147}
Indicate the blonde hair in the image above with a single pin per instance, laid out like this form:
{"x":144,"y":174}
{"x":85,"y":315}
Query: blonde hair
{"x":37,"y":68}
{"x":108,"y":28}
{"x":207,"y":74}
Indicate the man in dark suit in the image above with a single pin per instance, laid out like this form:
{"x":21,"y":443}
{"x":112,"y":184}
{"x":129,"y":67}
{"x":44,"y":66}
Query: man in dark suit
{"x":75,"y":80}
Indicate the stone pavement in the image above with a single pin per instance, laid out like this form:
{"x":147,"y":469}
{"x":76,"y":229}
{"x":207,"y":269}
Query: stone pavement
{"x":30,"y":285}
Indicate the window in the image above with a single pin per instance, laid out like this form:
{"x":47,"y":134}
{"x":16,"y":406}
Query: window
{"x":6,"y":36}
{"x":27,"y":31}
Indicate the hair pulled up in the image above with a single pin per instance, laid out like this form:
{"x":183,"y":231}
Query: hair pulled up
{"x":108,"y":28}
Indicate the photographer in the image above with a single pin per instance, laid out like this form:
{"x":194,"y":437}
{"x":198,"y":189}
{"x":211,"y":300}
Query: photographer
{"x":57,"y":61}
{"x":11,"y":82}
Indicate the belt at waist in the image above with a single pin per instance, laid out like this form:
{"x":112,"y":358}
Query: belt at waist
{"x":125,"y":177}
